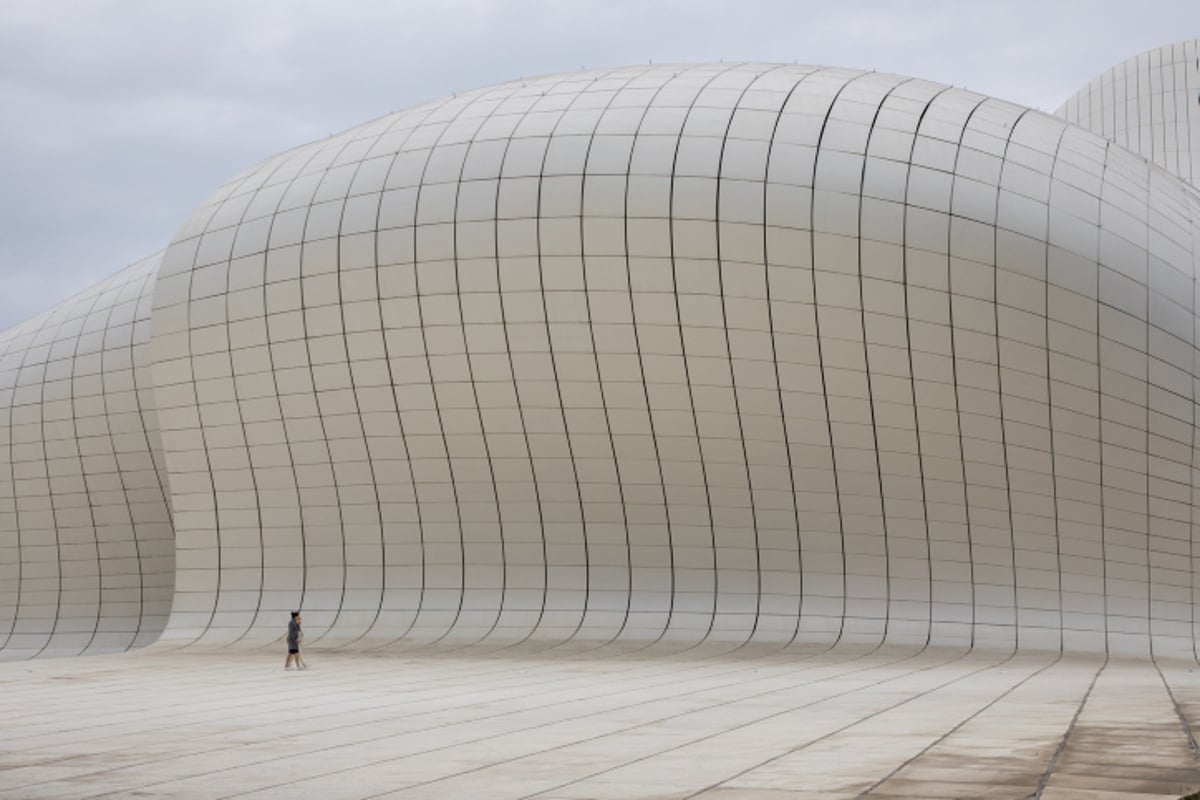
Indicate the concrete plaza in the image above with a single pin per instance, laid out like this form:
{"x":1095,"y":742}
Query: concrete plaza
{"x":598,"y":725}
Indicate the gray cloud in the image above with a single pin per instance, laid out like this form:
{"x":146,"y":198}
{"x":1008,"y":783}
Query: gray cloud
{"x":119,"y":116}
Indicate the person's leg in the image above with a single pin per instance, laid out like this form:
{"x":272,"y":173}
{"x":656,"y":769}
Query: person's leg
{"x":288,"y":663}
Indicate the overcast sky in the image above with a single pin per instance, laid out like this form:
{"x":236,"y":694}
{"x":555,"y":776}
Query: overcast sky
{"x":118,"y":116}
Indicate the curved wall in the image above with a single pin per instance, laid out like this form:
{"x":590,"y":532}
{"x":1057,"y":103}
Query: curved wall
{"x":732,"y":353}
{"x":727,"y":352}
{"x":86,"y":549}
{"x":1150,"y":104}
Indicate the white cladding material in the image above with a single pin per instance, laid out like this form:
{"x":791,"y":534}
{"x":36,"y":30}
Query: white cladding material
{"x":86,"y":549}
{"x":738,"y":352}
{"x":1149,"y":104}
{"x":724,"y":352}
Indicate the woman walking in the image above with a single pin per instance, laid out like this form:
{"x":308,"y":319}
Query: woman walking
{"x":294,"y":635}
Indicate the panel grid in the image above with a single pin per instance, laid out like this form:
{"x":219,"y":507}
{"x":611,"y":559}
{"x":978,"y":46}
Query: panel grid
{"x":658,"y":356}
{"x":86,"y":532}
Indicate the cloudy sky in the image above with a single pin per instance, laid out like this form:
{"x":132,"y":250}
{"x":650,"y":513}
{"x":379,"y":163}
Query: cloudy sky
{"x":118,"y":116}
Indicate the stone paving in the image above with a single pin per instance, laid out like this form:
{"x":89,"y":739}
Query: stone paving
{"x":598,"y":725}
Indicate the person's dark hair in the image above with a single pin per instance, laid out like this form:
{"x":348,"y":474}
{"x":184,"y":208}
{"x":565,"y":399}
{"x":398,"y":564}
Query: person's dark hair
{"x":295,"y":614}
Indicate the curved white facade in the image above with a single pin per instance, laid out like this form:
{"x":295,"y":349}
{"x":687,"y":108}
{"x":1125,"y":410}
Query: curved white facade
{"x":1150,"y":104}
{"x":727,"y":352}
{"x":86,"y":550}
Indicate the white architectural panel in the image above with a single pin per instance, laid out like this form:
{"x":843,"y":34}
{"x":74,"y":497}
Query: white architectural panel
{"x":672,"y":354}
{"x":1149,"y":104}
{"x":744,"y":352}
{"x":86,"y":549}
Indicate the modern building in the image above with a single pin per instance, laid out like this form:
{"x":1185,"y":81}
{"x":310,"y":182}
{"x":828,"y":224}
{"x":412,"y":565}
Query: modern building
{"x":736,"y":353}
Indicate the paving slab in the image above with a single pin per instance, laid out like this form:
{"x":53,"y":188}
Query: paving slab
{"x":597,"y":725}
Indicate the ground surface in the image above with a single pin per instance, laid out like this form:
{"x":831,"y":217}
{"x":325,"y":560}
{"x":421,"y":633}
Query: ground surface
{"x":885,"y":724}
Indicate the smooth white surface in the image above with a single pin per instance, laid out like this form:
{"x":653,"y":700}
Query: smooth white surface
{"x":1149,"y":104}
{"x":734,"y":352}
{"x":668,"y":354}
{"x":86,"y":549}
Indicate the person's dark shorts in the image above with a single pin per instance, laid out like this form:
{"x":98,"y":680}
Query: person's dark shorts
{"x":292,"y":650}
